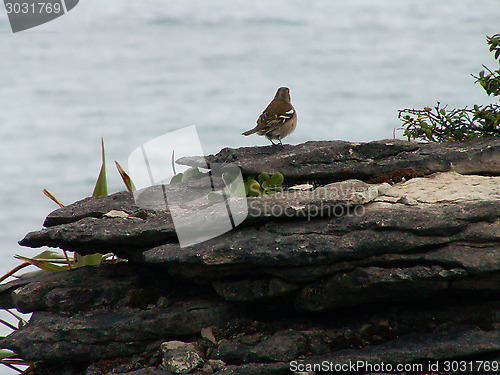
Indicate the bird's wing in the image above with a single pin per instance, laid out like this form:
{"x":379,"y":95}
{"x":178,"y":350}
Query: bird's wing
{"x":277,"y":113}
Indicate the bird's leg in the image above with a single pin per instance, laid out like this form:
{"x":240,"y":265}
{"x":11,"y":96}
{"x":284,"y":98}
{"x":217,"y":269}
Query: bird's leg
{"x":271,"y":141}
{"x":279,"y":139}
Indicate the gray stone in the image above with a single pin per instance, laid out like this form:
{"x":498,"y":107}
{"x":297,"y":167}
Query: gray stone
{"x":102,"y":333}
{"x":340,"y":160}
{"x":145,"y":371}
{"x":180,"y":357}
{"x":419,"y":348}
{"x":257,"y":369}
{"x":283,"y":346}
{"x":253,"y":290}
{"x":374,"y":284}
{"x":217,"y":364}
{"x":80,"y":228}
{"x":77,"y":289}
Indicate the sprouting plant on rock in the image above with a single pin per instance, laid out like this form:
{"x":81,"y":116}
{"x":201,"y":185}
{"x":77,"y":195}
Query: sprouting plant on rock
{"x":264,"y":184}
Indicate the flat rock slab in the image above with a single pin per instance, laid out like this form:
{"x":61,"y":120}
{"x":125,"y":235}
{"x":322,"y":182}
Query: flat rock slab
{"x":340,"y":160}
{"x":105,"y":333}
{"x":382,"y":228}
{"x":450,"y":187}
{"x":91,"y":226}
{"x":422,"y":348}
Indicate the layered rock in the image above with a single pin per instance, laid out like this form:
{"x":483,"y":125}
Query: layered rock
{"x":348,"y":271}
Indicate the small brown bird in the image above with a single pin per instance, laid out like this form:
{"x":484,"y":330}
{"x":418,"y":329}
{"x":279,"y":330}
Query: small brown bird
{"x":279,"y":118}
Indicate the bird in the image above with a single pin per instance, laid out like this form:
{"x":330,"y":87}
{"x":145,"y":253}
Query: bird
{"x":278,"y":120}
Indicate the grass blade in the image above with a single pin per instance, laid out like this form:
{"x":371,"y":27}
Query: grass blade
{"x":125,"y":177}
{"x":101,"y":186}
{"x":45,"y":265}
{"x":51,"y":196}
{"x":14,"y":270}
{"x":100,"y":189}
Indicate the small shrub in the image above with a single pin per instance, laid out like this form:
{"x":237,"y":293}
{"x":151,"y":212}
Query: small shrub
{"x":440,"y":124}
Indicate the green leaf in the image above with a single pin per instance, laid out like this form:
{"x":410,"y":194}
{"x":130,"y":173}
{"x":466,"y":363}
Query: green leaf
{"x":254,"y":189}
{"x":215,"y":197}
{"x":237,"y":189}
{"x":173,"y":161}
{"x":45,"y":265}
{"x":190,"y":173}
{"x":276,"y":179}
{"x":49,"y":255}
{"x":129,"y":184}
{"x":228,"y":178}
{"x":101,"y":186}
{"x":177,"y":178}
{"x":263,"y":177}
{"x":6,"y":354}
{"x":52,"y":197}
{"x":428,"y":133}
{"x":88,"y":260}
{"x":100,"y":189}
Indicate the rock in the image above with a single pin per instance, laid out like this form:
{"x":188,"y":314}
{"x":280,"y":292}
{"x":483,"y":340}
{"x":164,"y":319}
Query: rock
{"x":115,"y":213}
{"x":65,"y":291}
{"x":168,"y":346}
{"x":121,"y":236}
{"x":253,"y":290}
{"x":403,"y":271}
{"x":283,"y":346}
{"x":257,"y":368}
{"x":339,"y":160}
{"x":93,"y":334}
{"x":301,"y":187}
{"x":208,"y":334}
{"x":217,"y":364}
{"x":375,"y":284}
{"x":180,"y":357}
{"x":417,"y":349}
{"x":450,"y":187}
{"x":126,"y":237}
{"x":144,"y":371}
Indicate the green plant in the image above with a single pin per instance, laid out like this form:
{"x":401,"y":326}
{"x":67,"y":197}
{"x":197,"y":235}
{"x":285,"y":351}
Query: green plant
{"x":129,"y":184}
{"x":10,"y":359}
{"x":53,"y":261}
{"x":264,"y":184}
{"x":189,"y":174}
{"x":491,"y":80}
{"x":100,"y":189}
{"x":441,"y":124}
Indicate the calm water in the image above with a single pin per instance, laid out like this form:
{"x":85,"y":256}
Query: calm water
{"x":131,"y":71}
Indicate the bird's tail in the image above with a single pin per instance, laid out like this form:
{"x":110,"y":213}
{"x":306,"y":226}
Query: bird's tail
{"x":251,"y":131}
